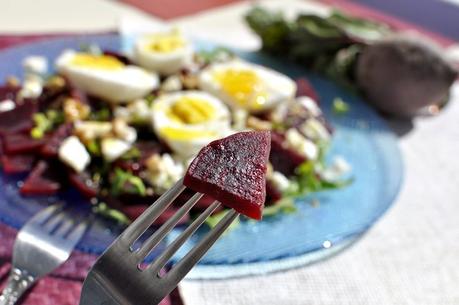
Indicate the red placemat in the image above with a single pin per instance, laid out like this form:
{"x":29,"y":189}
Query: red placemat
{"x":176,"y":8}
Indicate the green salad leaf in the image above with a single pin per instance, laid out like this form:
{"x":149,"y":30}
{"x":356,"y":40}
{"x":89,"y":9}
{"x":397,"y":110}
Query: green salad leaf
{"x":104,"y":210}
{"x":46,"y":121}
{"x":126,"y":182}
{"x":340,"y":106}
{"x":328,"y":45}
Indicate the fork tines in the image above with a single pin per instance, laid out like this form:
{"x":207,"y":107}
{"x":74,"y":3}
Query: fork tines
{"x":139,"y":226}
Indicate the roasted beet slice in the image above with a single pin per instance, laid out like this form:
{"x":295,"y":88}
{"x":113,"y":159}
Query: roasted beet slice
{"x":43,"y":180}
{"x":282,"y":158}
{"x":233,"y":171}
{"x":51,"y":147}
{"x":17,"y":120}
{"x":304,"y":87}
{"x":8,"y":92}
{"x":83,"y":183}
{"x":22,"y":143}
{"x":16,"y":164}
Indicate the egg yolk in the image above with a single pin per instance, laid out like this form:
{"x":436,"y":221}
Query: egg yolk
{"x":167,"y":42}
{"x":101,"y":62}
{"x":244,"y":86}
{"x":185,"y":134}
{"x":191,"y":110}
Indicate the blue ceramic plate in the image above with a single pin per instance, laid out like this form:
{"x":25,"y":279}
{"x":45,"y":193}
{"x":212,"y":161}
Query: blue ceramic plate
{"x":276,"y":243}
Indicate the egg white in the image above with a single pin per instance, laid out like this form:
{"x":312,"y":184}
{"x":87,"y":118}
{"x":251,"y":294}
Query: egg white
{"x":277,"y":87}
{"x":115,"y":86}
{"x":218,"y":126}
{"x":165,"y":63}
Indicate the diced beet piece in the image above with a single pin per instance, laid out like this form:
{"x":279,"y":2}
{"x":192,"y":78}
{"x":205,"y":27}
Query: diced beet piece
{"x":51,"y":146}
{"x":8,"y":92}
{"x":22,"y":143}
{"x":83,"y":183}
{"x":17,"y":120}
{"x":129,"y":165}
{"x":42,"y":180}
{"x":304,"y":87}
{"x":272,"y":193}
{"x":233,"y":171}
{"x":283,"y":158}
{"x":16,"y":164}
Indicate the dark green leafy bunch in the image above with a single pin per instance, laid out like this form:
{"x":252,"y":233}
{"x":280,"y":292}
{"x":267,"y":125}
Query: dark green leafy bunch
{"x":329,"y":45}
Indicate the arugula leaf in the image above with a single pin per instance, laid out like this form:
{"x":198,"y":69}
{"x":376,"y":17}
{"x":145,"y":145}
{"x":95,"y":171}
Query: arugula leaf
{"x":133,"y":153}
{"x":285,"y":205}
{"x":339,"y":106}
{"x":104,"y":210}
{"x":328,"y":45}
{"x":213,"y":55}
{"x":102,"y":114}
{"x":126,"y":182}
{"x":213,"y":220}
{"x":46,"y":121}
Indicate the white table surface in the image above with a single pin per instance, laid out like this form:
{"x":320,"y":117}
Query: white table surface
{"x":411,"y":256}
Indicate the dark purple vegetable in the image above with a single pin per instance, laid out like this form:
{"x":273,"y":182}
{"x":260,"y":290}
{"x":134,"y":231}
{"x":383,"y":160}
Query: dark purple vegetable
{"x":17,"y":120}
{"x":44,"y":179}
{"x":22,"y":143}
{"x":282,"y":158}
{"x":401,"y":75}
{"x":16,"y":164}
{"x":51,"y":146}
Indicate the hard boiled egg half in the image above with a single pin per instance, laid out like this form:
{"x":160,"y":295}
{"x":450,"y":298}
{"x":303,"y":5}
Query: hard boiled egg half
{"x":248,"y":86}
{"x":164,"y":52}
{"x":105,"y":76}
{"x":189,"y":120}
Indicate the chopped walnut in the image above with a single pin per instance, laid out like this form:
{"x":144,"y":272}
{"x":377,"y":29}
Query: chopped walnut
{"x":91,"y":130}
{"x":189,"y":80}
{"x":258,"y":124}
{"x":55,"y":82}
{"x":75,"y":110}
{"x":12,"y":81}
{"x":123,"y":131}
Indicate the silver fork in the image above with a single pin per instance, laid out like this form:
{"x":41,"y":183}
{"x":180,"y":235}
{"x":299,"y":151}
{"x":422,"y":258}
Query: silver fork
{"x":117,"y":277}
{"x":43,"y":244}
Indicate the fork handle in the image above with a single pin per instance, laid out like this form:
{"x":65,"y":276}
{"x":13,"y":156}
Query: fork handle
{"x":18,"y":283}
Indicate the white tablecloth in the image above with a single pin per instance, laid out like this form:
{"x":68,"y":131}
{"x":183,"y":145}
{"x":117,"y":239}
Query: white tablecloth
{"x":411,"y":256}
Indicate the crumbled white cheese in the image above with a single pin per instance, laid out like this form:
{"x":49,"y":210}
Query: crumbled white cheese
{"x":315,"y":130}
{"x":301,"y":144}
{"x":163,"y":172}
{"x":73,"y":153}
{"x":171,"y":84}
{"x":310,"y":105}
{"x":279,"y":181}
{"x":137,"y":111}
{"x":336,"y":170}
{"x":113,"y":148}
{"x":31,"y":88}
{"x":35,"y":65}
{"x":7,"y":105}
